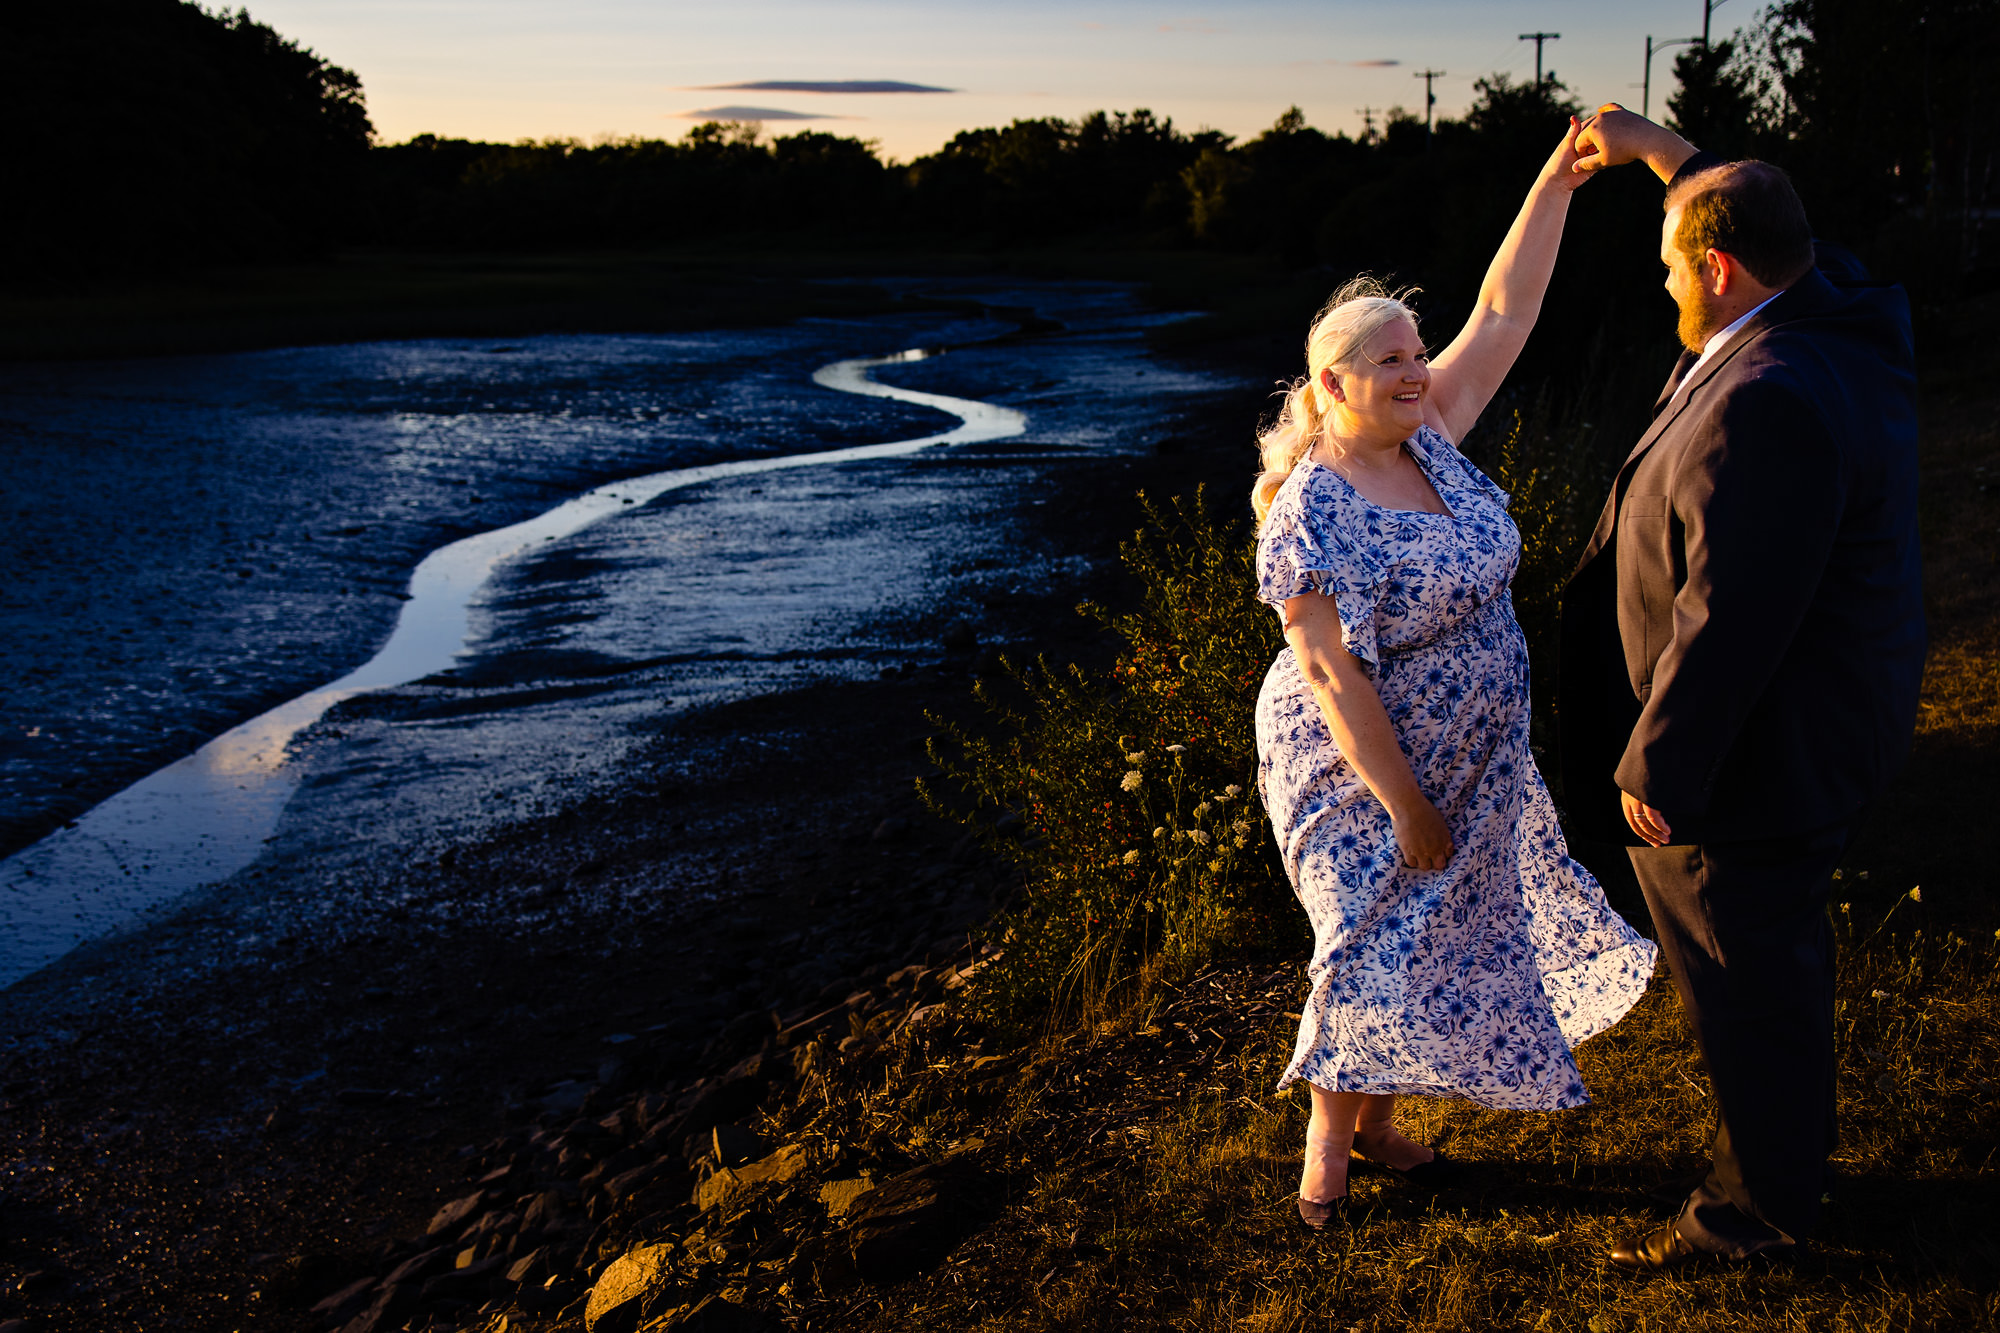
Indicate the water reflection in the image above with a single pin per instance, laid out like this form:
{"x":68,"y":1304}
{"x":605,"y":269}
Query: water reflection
{"x":206,"y":816}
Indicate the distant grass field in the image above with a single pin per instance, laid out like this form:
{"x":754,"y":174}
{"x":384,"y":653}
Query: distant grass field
{"x":369,"y":295}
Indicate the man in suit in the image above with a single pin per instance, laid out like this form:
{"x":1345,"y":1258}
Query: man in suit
{"x":1742,"y":644}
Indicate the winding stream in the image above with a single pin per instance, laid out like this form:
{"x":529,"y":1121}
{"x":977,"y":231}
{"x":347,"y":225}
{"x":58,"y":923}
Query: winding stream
{"x":207,"y":816}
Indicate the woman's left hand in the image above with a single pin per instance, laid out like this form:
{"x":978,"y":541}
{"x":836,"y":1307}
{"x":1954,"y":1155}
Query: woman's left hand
{"x":1561,"y":170}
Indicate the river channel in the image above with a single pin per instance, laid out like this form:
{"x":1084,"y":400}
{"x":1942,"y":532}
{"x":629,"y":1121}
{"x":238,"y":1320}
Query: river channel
{"x":531,"y":549}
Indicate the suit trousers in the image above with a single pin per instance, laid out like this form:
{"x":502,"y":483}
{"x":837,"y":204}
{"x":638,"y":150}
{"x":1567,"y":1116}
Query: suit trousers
{"x":1744,"y":928}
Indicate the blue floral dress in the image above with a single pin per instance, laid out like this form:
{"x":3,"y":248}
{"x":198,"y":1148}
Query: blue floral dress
{"x":1476,"y":980}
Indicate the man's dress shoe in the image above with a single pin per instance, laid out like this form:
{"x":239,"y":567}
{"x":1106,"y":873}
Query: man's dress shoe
{"x":1658,"y":1251}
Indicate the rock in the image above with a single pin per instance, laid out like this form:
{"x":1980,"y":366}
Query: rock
{"x":545,"y":1213}
{"x":565,"y":1098}
{"x":530,"y":1267}
{"x":347,"y":1302}
{"x":733,"y":1145}
{"x":716,"y":1314}
{"x":722,"y":1100}
{"x":391,"y":1306}
{"x":630,"y":1290}
{"x":891,"y":829}
{"x":783,"y":1165}
{"x":622,"y":1186}
{"x":416,"y":1266}
{"x":460,"y":1281}
{"x":903,"y":1225}
{"x":456,"y":1213}
{"x":839,"y":1195}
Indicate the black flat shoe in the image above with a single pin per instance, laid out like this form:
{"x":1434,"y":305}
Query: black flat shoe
{"x":1318,"y":1215}
{"x":1434,"y":1174}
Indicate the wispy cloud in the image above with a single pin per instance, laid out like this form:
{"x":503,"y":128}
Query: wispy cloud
{"x":753,"y":113}
{"x":824,"y":86}
{"x":1343,"y":64}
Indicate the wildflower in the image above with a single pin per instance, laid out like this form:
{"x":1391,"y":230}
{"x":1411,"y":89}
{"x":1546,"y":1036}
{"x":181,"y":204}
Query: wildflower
{"x":1861,"y":874}
{"x":1232,"y":791}
{"x":1136,"y":757}
{"x":1198,"y":837}
{"x":1917,"y":894}
{"x":1159,"y":833}
{"x":1132,"y":781}
{"x":1847,"y":907}
{"x":1177,"y":749}
{"x":1242,"y":841}
{"x":1215,"y":867}
{"x":1879,"y":994}
{"x":1132,"y":857}
{"x":1242,"y":826}
{"x":1201,"y":811}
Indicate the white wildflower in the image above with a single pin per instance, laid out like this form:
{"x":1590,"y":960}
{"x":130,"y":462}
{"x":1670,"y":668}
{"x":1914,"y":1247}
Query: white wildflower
{"x":1201,"y":811}
{"x":1232,"y":790}
{"x":1132,"y":857}
{"x":1132,"y":780}
{"x":1879,"y":994}
{"x":1177,"y":749}
{"x":1159,"y":833}
{"x":1136,"y":757}
{"x":1198,"y":837}
{"x":1241,"y":826}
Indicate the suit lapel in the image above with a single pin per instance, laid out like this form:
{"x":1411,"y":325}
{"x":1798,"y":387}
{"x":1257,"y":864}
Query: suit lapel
{"x":1802,"y":298}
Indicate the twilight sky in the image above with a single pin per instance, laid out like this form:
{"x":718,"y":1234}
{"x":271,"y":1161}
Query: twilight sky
{"x":515,"y":69}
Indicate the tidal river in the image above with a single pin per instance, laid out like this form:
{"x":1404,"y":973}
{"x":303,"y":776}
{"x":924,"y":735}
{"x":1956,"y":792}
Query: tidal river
{"x":567,"y":535}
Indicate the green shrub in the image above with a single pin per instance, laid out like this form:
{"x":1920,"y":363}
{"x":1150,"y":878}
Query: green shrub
{"x":1127,"y":796}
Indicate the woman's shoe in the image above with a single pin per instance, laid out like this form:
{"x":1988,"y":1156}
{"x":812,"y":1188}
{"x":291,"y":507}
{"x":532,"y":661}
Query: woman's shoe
{"x":1435,"y":1173}
{"x":1316,"y":1213}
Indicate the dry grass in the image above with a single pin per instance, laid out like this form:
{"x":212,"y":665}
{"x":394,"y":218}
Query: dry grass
{"x":1147,"y":1174}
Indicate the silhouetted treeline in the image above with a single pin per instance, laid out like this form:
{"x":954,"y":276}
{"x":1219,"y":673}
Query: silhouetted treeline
{"x":155,"y":134}
{"x":150,"y":134}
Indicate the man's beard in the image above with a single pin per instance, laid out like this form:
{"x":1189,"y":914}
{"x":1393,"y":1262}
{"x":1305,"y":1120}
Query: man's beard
{"x":1697,"y":325}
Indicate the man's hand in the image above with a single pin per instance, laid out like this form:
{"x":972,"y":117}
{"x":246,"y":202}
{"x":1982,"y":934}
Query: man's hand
{"x":1648,"y":823}
{"x":1613,"y":136}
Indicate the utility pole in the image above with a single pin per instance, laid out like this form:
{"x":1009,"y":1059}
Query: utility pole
{"x":1538,"y":38}
{"x":1708,"y":7}
{"x":1430,"y":100}
{"x":1367,"y":114}
{"x":1653,"y":48}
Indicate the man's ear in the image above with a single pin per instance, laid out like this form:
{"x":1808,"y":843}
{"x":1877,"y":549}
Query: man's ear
{"x":1722,"y":269}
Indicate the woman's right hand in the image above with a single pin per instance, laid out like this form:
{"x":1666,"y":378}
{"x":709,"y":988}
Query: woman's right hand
{"x":1422,"y":834}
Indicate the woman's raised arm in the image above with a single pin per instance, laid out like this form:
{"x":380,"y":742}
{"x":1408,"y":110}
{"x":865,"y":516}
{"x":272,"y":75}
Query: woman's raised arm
{"x":1465,"y":375}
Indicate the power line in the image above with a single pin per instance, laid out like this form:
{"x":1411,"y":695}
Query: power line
{"x":1538,"y":38}
{"x":1430,"y":99}
{"x":1367,"y":114}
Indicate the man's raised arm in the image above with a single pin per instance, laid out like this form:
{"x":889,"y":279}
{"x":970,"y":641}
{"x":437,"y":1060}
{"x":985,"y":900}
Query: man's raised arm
{"x":1614,"y":136}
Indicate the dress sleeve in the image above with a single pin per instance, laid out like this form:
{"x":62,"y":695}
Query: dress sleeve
{"x":1301,"y":549}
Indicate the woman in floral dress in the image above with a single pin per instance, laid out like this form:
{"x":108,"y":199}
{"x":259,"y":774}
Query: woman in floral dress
{"x":1458,"y":950}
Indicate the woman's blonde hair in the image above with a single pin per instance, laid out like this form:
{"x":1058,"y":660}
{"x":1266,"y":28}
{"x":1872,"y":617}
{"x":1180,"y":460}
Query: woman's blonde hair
{"x":1362,"y":306}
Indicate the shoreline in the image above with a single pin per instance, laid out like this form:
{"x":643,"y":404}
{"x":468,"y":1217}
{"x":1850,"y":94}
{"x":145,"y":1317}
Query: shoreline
{"x":187,"y":1135}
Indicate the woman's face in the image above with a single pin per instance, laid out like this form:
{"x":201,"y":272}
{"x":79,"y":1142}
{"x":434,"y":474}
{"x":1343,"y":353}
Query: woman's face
{"x":1383,"y":390}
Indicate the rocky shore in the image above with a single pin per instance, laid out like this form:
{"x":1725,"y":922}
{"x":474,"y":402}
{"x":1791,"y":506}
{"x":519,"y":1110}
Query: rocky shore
{"x":244,"y":1110}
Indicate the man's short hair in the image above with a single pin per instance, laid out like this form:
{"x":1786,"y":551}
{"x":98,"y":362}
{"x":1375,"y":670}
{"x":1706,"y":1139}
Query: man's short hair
{"x":1747,"y":210}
